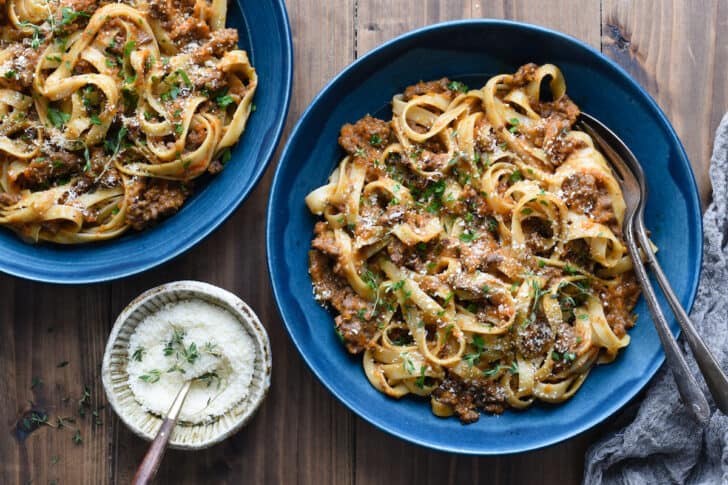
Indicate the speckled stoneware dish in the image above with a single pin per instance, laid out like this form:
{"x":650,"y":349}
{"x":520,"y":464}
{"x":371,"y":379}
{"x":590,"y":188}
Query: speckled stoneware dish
{"x":116,"y":379}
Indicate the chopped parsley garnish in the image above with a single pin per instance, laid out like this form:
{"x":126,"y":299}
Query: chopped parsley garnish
{"x":226,"y":156}
{"x":185,"y":78}
{"x":468,"y":236}
{"x":407,"y":363}
{"x":209,"y":377}
{"x":492,"y":371}
{"x":420,"y":381}
{"x":38,"y":37}
{"x":514,"y":125}
{"x":69,"y":15}
{"x":526,"y":211}
{"x":492,"y":225}
{"x":190,"y":353}
{"x":478,"y":342}
{"x":515,"y":176}
{"x":171,"y":94}
{"x":95,"y":120}
{"x":396,"y":286}
{"x":10,"y":74}
{"x":370,"y":280}
{"x":457,"y":86}
{"x":151,"y":376}
{"x":115,"y":146}
{"x":472,"y":359}
{"x":224,"y":101}
{"x":538,"y":293}
{"x":58,"y":118}
{"x":570,"y":269}
{"x":375,"y":140}
{"x":128,"y":47}
{"x":77,"y":440}
{"x":139,"y":352}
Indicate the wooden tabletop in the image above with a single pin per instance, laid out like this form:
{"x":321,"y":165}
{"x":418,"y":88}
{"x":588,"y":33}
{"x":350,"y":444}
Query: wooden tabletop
{"x":52,"y":337}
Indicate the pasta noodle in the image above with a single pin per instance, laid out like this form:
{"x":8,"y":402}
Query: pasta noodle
{"x":472,"y":246}
{"x":109,"y":111}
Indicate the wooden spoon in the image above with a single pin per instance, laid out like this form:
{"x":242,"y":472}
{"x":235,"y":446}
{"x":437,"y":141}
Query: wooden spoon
{"x":150,"y":464}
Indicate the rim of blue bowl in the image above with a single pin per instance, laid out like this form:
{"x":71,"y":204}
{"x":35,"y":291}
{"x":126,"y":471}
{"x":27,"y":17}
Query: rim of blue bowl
{"x":224,"y":214}
{"x":360,"y":411}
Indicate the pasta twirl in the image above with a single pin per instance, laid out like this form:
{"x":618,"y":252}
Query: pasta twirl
{"x":472,"y":246}
{"x":109,"y":111}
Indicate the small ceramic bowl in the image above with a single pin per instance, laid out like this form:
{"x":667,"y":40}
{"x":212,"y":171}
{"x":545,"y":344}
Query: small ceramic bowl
{"x":116,"y":379}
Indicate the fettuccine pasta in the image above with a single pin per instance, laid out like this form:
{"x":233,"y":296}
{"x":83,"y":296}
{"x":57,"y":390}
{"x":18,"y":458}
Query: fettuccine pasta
{"x":472,"y":246}
{"x":109,"y":111}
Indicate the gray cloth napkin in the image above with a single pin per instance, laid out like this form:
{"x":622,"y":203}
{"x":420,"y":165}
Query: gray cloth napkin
{"x":662,"y":444}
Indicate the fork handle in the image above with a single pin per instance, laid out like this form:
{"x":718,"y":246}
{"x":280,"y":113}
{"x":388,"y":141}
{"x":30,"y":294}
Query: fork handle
{"x":709,"y":367}
{"x":687,"y":386}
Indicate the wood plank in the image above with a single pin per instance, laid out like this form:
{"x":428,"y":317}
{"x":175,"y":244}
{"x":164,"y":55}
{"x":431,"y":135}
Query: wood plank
{"x":51,"y":350}
{"x":676,"y":51}
{"x":574,"y":17}
{"x":382,"y":458}
{"x":301,"y":434}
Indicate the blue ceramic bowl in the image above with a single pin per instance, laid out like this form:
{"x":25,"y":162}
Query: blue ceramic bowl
{"x":265,"y":34}
{"x":472,"y":51}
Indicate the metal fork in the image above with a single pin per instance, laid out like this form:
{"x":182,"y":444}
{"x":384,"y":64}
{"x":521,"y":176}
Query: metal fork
{"x":632,"y":180}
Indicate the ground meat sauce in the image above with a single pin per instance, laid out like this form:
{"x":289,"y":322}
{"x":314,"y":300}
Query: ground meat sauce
{"x":441,"y":86}
{"x":466,"y":397}
{"x":482,"y":249}
{"x":584,"y":193}
{"x":351,"y":323}
{"x":151,"y":199}
{"x":618,"y":302}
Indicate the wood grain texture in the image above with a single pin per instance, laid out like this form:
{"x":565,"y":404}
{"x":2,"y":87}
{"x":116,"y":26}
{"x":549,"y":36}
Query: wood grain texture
{"x":53,"y":341}
{"x":301,"y":435}
{"x":677,"y":51}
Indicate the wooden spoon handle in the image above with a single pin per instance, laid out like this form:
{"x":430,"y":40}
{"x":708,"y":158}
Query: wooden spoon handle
{"x":150,"y":464}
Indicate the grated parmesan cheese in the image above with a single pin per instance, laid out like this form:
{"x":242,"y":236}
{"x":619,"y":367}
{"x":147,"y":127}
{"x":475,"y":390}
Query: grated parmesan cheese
{"x":190,"y":340}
